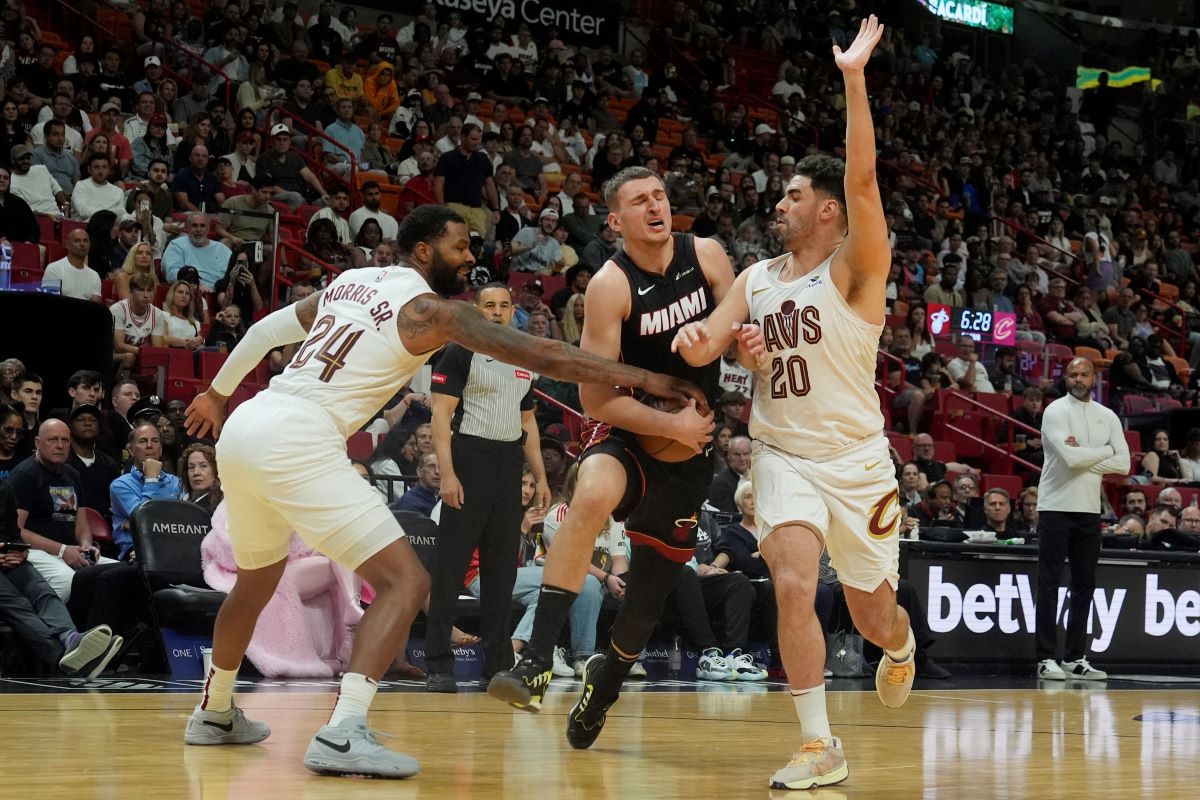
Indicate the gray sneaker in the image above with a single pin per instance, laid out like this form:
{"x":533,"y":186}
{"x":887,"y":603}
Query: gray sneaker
{"x":819,"y":763}
{"x":352,"y":749}
{"x":224,"y":727}
{"x":83,"y":648}
{"x":1081,"y":670}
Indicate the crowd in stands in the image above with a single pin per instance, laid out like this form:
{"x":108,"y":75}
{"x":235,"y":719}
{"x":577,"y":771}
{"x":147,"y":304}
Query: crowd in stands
{"x":159,"y":161}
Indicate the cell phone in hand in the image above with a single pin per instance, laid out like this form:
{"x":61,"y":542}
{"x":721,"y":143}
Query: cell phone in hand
{"x":14,"y":547}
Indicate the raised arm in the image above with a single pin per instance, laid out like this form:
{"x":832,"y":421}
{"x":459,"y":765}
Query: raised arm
{"x":862,"y":264}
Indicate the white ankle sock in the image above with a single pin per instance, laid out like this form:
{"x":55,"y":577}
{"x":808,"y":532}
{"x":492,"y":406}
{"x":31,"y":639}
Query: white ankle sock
{"x":906,"y":650}
{"x":354,"y":697}
{"x":810,"y":708}
{"x":218,"y":689}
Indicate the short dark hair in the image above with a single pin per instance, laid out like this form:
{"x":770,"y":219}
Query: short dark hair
{"x":492,"y":285}
{"x":369,"y":185}
{"x":613,"y":185}
{"x":470,"y":126}
{"x":827,"y":175}
{"x":261,"y":181}
{"x":425,"y":223}
{"x":1161,"y":507}
{"x":84,"y":377}
{"x":154,"y":161}
{"x":97,"y":157}
{"x":51,"y":124}
{"x":138,"y":424}
{"x":27,"y":377}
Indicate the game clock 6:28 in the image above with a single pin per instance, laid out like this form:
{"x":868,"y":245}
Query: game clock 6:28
{"x":973,"y":321}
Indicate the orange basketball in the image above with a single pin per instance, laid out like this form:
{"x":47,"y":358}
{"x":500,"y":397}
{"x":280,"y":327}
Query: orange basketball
{"x":664,"y":448}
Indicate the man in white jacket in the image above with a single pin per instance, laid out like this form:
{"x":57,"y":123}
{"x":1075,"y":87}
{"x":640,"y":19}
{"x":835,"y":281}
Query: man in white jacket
{"x":1083,"y":441}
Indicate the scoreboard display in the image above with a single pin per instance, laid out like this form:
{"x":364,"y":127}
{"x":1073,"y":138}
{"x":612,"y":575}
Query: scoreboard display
{"x":989,"y":327}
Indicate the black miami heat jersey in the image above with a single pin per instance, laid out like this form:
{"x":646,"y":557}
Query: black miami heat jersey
{"x":659,"y":306}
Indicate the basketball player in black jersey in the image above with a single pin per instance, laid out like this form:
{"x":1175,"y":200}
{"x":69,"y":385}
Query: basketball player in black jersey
{"x":634,"y":305}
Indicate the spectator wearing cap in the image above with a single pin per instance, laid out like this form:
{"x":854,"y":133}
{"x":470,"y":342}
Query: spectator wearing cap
{"x":372,"y":209}
{"x":71,"y":274}
{"x":118,"y":146}
{"x":209,"y":258}
{"x":529,"y":300}
{"x":152,"y":73}
{"x":17,"y":222}
{"x":407,"y":114}
{"x":463,"y":181}
{"x":154,"y":144}
{"x":61,"y":108}
{"x":196,"y":188}
{"x":536,"y":249}
{"x":147,"y":480}
{"x":286,"y":170}
{"x":34,"y":184}
{"x":714,"y":206}
{"x":138,"y":125}
{"x":96,"y":468}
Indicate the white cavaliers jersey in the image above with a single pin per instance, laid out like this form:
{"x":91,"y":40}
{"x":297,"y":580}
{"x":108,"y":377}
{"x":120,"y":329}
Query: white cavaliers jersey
{"x":353,"y":360}
{"x":815,"y":391}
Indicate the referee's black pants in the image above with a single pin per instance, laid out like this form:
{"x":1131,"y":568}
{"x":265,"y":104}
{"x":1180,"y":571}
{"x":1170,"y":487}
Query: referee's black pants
{"x":1064,"y":535}
{"x":490,"y":519}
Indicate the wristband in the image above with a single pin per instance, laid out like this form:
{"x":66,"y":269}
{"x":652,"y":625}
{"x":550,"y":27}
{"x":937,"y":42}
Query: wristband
{"x":61,"y":551}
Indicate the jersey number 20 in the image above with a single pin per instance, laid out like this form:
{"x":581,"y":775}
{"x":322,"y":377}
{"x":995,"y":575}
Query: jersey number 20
{"x":333,"y":354}
{"x":789,"y":376}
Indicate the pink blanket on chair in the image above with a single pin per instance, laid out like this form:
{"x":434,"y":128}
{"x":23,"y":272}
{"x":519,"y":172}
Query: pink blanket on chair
{"x":305,"y":631}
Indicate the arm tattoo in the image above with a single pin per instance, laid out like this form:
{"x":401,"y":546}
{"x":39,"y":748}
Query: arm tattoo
{"x":418,"y":316}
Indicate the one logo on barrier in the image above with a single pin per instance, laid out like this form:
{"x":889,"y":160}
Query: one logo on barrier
{"x":1005,"y":329}
{"x":938,"y":320}
{"x":683,"y":528}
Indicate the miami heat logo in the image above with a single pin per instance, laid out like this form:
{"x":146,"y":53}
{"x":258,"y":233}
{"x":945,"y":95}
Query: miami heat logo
{"x":877,"y":527}
{"x":683,"y":528}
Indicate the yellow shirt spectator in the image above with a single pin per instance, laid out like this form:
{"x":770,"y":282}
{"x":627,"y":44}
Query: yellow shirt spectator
{"x":346,"y":82}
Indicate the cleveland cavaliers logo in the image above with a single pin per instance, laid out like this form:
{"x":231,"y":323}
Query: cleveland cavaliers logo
{"x":877,"y":527}
{"x":683,"y":528}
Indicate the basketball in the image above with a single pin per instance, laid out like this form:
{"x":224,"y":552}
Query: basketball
{"x":664,"y":448}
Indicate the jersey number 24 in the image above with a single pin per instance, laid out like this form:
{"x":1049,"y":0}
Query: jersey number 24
{"x":337,"y":345}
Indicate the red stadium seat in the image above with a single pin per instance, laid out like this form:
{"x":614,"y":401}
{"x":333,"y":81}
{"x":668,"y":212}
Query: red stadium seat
{"x":903,"y":445}
{"x":1009,"y":483}
{"x":26,"y":256}
{"x":68,"y":225}
{"x":181,"y":389}
{"x":210,"y":363}
{"x":945,"y":452}
{"x":48,"y":226}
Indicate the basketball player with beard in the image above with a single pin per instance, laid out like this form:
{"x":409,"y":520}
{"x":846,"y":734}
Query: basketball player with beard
{"x":366,"y":334}
{"x":633,"y":307}
{"x":821,"y":471}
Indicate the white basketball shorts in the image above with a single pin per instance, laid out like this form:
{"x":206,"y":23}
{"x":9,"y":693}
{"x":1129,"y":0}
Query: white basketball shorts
{"x":851,"y":498}
{"x":284,"y":468}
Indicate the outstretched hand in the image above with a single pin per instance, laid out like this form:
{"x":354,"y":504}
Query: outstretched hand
{"x":855,"y":59}
{"x":206,"y":413}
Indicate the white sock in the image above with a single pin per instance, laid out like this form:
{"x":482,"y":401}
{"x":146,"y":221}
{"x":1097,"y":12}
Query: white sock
{"x":906,"y":650}
{"x":218,"y":689}
{"x":354,"y":698}
{"x":810,"y":709}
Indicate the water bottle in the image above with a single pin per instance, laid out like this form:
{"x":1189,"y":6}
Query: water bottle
{"x":675,"y":657}
{"x":6,"y":253}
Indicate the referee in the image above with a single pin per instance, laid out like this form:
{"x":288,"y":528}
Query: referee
{"x":484,"y":431}
{"x":1082,"y":441}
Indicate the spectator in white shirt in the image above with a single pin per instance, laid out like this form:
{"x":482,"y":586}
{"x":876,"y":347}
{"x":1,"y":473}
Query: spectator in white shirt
{"x":135,"y":320}
{"x":787,"y":86}
{"x":96,"y":193}
{"x":966,"y":370}
{"x":72,"y":273}
{"x":339,"y":201}
{"x":34,"y":184}
{"x":372,"y":197}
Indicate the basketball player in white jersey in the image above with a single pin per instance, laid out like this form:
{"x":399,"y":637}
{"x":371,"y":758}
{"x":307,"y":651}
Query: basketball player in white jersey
{"x":284,"y":465}
{"x":821,"y":471}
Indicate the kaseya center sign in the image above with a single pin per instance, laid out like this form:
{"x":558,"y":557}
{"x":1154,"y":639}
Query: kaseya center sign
{"x":581,"y":21}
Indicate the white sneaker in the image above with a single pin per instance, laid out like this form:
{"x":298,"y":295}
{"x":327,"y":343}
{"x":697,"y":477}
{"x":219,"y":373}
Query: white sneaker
{"x":223,"y":727}
{"x":637,"y":670}
{"x":1081,"y":670}
{"x":712,"y":666}
{"x":743,"y":668}
{"x":579,"y":665}
{"x":819,"y":763}
{"x":894,"y":679}
{"x":559,"y":667}
{"x":353,"y":749}
{"x":1049,"y":670}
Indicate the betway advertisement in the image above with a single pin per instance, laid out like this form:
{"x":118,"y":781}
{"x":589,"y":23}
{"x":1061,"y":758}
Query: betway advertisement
{"x":983,"y":609}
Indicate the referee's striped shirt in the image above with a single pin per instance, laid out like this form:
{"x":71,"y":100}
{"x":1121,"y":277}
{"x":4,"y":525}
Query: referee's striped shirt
{"x":492,"y":394}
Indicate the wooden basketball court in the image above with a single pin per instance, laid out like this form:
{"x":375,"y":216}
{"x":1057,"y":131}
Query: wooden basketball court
{"x":1076,"y":742}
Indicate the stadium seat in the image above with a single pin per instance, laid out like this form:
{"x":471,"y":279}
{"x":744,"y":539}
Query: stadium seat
{"x":68,"y":225}
{"x":1182,"y":368}
{"x":184,"y":389}
{"x":945,"y":452}
{"x":682,"y":223}
{"x":48,"y":227}
{"x":1059,"y":351}
{"x":97,"y":525}
{"x":1168,"y":292}
{"x":903,"y":445}
{"x":360,"y":446}
{"x":26,"y":256}
{"x":210,"y":364}
{"x":1009,"y":483}
{"x":1134,"y":440}
{"x":1134,"y":404}
{"x":167,"y":536}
